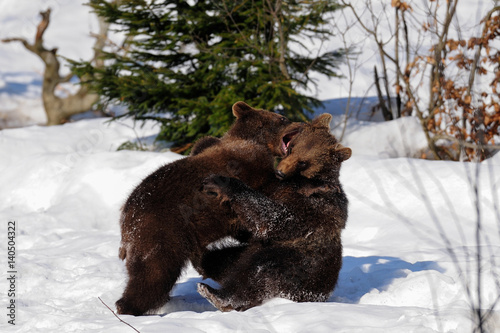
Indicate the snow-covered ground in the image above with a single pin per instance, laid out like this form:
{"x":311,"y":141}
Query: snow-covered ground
{"x":63,"y":186}
{"x":410,"y":246}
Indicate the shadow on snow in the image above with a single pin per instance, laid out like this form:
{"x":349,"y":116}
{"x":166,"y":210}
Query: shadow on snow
{"x":360,"y":275}
{"x":20,"y":83}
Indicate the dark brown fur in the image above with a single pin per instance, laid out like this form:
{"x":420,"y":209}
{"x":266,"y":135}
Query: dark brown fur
{"x":166,"y":221}
{"x":204,"y":143}
{"x":296,"y":249}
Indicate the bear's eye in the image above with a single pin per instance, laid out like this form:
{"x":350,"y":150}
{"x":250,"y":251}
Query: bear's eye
{"x":301,"y":165}
{"x":284,"y":120}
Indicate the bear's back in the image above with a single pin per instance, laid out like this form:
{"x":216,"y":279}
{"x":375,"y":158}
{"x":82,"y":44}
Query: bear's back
{"x":176,"y":185}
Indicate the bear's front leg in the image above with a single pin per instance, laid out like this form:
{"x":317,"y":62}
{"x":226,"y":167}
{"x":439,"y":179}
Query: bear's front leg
{"x":259,"y":214}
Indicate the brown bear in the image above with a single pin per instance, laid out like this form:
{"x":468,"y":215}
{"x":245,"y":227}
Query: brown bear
{"x":296,"y":250}
{"x":167,"y":221}
{"x":203,"y":143}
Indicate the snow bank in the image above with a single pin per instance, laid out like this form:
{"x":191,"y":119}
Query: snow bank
{"x":367,"y":133}
{"x":20,"y":100}
{"x":396,"y":138}
{"x":64,"y":186}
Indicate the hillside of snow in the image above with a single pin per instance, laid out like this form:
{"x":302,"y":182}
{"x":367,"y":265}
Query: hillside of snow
{"x":418,"y":236}
{"x":409,"y":245}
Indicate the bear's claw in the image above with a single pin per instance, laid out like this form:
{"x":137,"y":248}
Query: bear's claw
{"x":209,"y":293}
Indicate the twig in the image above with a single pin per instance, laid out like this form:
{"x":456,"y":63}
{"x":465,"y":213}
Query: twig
{"x":465,"y":143}
{"x":117,"y":316}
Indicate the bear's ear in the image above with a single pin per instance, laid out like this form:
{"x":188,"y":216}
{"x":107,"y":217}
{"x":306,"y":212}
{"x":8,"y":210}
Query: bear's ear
{"x":241,"y":108}
{"x":344,"y":153}
{"x":322,"y":121}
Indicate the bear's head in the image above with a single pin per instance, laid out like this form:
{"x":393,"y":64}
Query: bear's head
{"x":260,"y":126}
{"x":313,"y":152}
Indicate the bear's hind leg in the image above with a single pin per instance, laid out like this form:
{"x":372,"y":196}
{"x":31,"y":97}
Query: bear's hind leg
{"x":212,"y":295}
{"x":149,"y":285}
{"x":226,"y":300}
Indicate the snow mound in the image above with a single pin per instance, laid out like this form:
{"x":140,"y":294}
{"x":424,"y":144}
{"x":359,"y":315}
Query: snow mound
{"x":402,"y":137}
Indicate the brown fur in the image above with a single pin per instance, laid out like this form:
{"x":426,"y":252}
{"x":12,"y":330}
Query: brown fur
{"x":204,"y":143}
{"x":166,"y":221}
{"x":296,"y":251}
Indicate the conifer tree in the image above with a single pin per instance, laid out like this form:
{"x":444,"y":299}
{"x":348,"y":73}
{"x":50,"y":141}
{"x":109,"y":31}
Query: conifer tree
{"x":184,"y":63}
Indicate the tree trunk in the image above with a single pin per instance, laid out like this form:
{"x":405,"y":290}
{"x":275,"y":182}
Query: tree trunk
{"x":381,"y":101}
{"x":58,"y":109}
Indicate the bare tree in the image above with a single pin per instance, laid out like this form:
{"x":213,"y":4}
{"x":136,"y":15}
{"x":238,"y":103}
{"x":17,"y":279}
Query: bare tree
{"x":59,"y":109}
{"x":342,"y":26}
{"x":439,"y":84}
{"x":455,"y":118}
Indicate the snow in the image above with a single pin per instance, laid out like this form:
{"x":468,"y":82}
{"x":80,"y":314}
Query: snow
{"x":410,"y":246}
{"x":64,"y":187}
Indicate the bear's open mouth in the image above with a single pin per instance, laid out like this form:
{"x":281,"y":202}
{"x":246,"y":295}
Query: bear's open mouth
{"x":285,"y":141}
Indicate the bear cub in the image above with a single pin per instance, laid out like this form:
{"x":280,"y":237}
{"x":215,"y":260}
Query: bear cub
{"x":295,"y":251}
{"x":167,"y":221}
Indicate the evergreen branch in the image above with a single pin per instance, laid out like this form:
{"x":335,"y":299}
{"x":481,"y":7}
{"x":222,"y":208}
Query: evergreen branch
{"x":193,"y":60}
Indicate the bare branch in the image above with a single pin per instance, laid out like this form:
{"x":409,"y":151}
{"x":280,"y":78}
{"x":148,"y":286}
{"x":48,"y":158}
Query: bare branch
{"x":473,"y":69}
{"x":465,"y":143}
{"x":101,"y":39}
{"x":42,"y":26}
{"x":385,"y":110}
{"x":277,"y":15}
{"x":67,"y":78}
{"x":27,"y":45}
{"x":9,"y":40}
{"x":117,"y":316}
